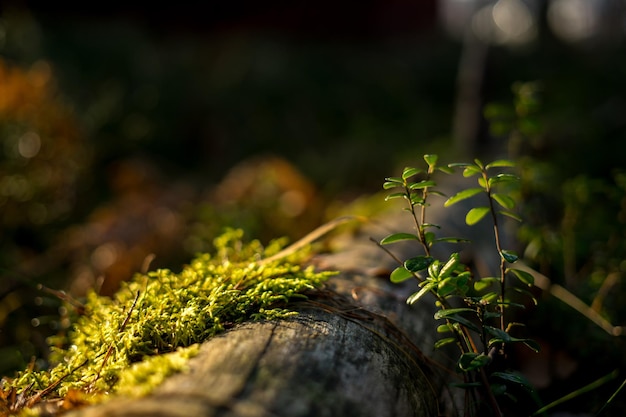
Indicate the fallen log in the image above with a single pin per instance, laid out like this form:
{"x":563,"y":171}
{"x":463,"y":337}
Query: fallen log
{"x":344,"y":354}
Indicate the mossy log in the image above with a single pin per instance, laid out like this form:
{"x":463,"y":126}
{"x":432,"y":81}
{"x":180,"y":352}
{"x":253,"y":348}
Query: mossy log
{"x":354,"y":349}
{"x":351,"y":351}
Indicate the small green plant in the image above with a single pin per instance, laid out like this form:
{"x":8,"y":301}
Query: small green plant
{"x":127,"y":344}
{"x":473,"y":309}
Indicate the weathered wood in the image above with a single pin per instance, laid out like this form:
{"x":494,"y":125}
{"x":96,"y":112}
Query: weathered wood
{"x":355,"y":349}
{"x":341,"y":356}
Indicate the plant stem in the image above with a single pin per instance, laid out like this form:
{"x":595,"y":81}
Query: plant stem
{"x":496,"y":233}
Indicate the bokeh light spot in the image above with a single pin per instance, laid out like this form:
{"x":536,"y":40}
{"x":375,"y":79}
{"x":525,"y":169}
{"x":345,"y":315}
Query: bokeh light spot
{"x":29,"y":145}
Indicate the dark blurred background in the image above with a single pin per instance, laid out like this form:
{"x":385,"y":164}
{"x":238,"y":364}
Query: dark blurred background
{"x":129,"y":130}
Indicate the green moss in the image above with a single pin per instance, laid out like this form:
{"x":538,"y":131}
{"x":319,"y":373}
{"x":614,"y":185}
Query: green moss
{"x":129,"y":343}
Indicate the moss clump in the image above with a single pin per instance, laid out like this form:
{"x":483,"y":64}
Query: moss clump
{"x":163,"y":312}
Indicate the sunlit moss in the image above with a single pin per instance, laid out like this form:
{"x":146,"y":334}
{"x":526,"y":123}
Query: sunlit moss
{"x":142,"y":377}
{"x":127,"y":344}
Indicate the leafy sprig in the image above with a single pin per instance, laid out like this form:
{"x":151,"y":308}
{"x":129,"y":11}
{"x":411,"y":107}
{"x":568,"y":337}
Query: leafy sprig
{"x":451,"y":281}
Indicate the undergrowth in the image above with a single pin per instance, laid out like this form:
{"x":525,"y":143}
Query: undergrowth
{"x":129,"y":343}
{"x":476,"y":313}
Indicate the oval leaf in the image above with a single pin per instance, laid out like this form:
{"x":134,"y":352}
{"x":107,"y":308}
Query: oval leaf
{"x":416,"y":296}
{"x":431,"y":160}
{"x":419,"y":263}
{"x":395,"y":195}
{"x":509,"y":256}
{"x":400,"y":274}
{"x":525,"y":277}
{"x":450,"y":266}
{"x":470,"y":171}
{"x":387,"y":185}
{"x":500,"y":163}
{"x":444,"y":328}
{"x":422,"y":184}
{"x":485,"y":283}
{"x":452,"y":239}
{"x":511,"y":215}
{"x":444,"y":342}
{"x":501,"y":178}
{"x":462,"y":195}
{"x":396,"y":237}
{"x":504,"y":200}
{"x":515,"y":378}
{"x":442,"y":314}
{"x":409,"y":172}
{"x":475,"y":215}
{"x":470,"y":361}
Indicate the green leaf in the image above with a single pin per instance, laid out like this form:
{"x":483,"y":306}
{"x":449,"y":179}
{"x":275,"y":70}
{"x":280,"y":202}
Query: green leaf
{"x":400,"y":274}
{"x":429,"y":237}
{"x":443,"y":342}
{"x":450,"y":266}
{"x":445,"y":328}
{"x":419,"y":294}
{"x":511,"y":215}
{"x":460,"y":319}
{"x":397,"y":180}
{"x":504,"y":200}
{"x":445,"y":287}
{"x":470,"y":361}
{"x":422,"y":184}
{"x":442,"y":314}
{"x":525,"y":277}
{"x":499,"y":333}
{"x":479,"y":163}
{"x":501,"y":336}
{"x":489,"y":315}
{"x":431,"y":160}
{"x":409,"y":172}
{"x":452,"y":239}
{"x":475,"y":215}
{"x":470,"y":171}
{"x":509,"y":256}
{"x":485,"y":282}
{"x":433,"y":269}
{"x":500,"y":163}
{"x":395,"y":195}
{"x":526,"y":293}
{"x":397,"y":237}
{"x":504,"y":178}
{"x":417,"y":200}
{"x":418,"y":263}
{"x":387,"y":185}
{"x":462,"y":195}
{"x":482,"y":182}
{"x":514,"y":378}
{"x":490,"y":297}
{"x":446,"y":170}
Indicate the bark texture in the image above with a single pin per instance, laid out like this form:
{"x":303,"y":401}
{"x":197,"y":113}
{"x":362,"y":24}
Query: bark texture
{"x":355,"y":349}
{"x":341,"y":356}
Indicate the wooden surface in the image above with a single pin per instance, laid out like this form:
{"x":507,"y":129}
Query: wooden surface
{"x":355,"y":349}
{"x":338,"y":357}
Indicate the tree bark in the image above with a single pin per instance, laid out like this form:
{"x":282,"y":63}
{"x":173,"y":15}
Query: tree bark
{"x":355,"y":349}
{"x":344,"y":354}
